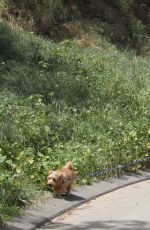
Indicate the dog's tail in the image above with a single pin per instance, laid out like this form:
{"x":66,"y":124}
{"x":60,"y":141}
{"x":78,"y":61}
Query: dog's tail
{"x":69,"y":165}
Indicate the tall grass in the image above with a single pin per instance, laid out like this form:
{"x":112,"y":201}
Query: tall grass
{"x":36,"y":15}
{"x":52,"y":9}
{"x":49,"y":12}
{"x":62,"y":102}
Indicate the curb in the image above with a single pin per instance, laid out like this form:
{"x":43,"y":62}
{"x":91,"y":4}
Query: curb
{"x":38,"y":216}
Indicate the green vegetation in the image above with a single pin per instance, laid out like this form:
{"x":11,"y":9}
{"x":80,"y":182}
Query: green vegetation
{"x":62,"y":102}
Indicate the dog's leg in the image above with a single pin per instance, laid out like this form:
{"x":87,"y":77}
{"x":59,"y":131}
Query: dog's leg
{"x":59,"y":192}
{"x":69,"y":187}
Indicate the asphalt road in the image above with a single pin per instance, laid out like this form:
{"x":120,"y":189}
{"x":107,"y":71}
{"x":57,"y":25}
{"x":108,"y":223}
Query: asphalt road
{"x":124,"y":209}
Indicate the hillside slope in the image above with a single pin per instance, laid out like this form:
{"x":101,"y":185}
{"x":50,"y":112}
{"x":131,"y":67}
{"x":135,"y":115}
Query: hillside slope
{"x":80,"y":99}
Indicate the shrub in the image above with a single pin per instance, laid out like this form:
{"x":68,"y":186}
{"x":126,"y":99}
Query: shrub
{"x":126,"y":5}
{"x":6,"y":41}
{"x":138,"y":32}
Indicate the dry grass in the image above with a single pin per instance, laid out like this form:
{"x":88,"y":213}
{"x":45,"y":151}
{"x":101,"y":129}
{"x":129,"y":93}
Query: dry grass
{"x":3,"y":7}
{"x":82,"y":33}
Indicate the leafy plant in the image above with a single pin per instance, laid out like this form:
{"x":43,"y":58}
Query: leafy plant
{"x":126,"y":5}
{"x":137,"y":30}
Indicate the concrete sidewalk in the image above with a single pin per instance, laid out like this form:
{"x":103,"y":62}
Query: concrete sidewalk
{"x":37,"y":216}
{"x":124,"y":209}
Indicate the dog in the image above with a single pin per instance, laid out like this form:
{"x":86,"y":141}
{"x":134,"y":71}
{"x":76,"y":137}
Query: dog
{"x":62,"y":180}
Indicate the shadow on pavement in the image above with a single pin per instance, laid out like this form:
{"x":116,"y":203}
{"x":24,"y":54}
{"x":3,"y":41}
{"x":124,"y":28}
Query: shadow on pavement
{"x":114,"y":225}
{"x":73,"y":197}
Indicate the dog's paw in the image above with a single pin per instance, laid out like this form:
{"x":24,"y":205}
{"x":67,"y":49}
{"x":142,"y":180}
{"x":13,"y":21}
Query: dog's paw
{"x":58,"y":196}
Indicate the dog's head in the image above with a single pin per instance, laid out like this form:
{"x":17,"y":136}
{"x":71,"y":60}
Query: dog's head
{"x":54,"y":178}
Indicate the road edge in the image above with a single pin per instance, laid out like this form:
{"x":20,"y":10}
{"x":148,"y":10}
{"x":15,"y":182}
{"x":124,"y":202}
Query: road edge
{"x":36,"y":217}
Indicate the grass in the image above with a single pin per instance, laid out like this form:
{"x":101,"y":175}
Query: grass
{"x":62,"y":102}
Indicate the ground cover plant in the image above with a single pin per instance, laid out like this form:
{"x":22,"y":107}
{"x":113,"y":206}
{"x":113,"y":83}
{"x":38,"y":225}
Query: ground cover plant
{"x":61,"y":102}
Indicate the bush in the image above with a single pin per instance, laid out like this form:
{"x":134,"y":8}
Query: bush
{"x":6,"y":41}
{"x":138,"y":33}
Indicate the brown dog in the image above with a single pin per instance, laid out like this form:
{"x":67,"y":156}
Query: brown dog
{"x":61,"y":180}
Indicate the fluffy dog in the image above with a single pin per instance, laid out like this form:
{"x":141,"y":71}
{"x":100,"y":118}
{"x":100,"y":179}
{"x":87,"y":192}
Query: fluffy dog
{"x":61,"y":180}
